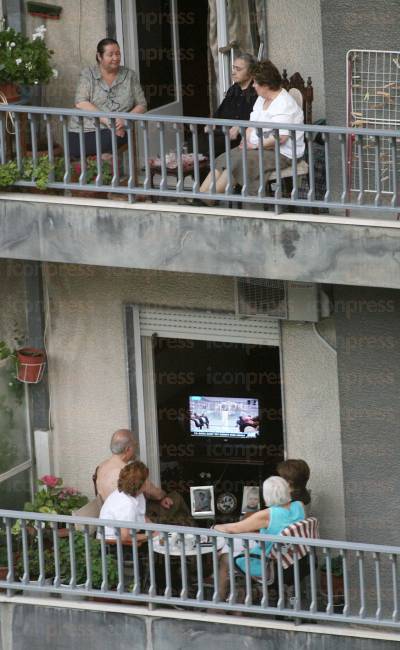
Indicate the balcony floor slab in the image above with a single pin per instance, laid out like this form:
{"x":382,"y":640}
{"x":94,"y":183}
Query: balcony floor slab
{"x":229,"y":242}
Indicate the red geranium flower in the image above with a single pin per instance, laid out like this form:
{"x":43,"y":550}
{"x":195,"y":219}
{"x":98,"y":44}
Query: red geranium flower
{"x":50,"y":481}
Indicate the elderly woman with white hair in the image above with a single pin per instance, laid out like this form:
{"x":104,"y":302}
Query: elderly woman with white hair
{"x":280,"y":513}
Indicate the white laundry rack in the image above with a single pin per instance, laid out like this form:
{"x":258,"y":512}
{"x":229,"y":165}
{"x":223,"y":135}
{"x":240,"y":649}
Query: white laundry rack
{"x":373,"y":102}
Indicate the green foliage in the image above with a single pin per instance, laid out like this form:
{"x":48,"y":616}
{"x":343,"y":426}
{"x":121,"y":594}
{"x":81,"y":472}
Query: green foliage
{"x":39,"y":172}
{"x":8,"y":174}
{"x":34,"y":567}
{"x":91,"y":171}
{"x":3,"y":550}
{"x":80,"y":562}
{"x":336,"y":565}
{"x":65,"y":562}
{"x":15,"y":387}
{"x":24,"y":61}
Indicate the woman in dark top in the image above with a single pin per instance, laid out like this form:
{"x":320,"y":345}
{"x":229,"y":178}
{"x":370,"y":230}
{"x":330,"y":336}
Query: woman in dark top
{"x":236,"y":105}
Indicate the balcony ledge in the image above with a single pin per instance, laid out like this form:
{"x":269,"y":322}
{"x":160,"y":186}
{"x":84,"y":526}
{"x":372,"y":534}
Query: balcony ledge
{"x":299,"y":247}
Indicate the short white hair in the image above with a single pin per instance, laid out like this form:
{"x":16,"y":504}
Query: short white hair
{"x":121,"y":440}
{"x":276,"y":491}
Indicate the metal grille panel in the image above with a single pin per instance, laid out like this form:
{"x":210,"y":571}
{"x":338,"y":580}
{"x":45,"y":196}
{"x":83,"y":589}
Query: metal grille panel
{"x":261,"y":298}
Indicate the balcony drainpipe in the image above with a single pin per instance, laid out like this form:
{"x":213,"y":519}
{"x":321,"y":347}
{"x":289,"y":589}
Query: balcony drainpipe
{"x":39,"y":401}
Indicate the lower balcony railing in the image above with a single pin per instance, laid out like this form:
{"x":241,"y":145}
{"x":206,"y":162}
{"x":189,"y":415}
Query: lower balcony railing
{"x":195,"y":568}
{"x":160,"y":157}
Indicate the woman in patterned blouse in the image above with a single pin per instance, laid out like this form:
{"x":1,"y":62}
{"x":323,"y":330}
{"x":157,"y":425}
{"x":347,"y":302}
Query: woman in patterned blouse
{"x":109,"y":87}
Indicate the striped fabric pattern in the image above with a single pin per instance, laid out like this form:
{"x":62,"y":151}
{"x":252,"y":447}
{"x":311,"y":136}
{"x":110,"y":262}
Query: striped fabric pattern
{"x":308,"y":528}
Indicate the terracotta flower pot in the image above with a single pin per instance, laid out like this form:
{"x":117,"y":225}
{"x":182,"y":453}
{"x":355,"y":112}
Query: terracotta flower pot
{"x":31,"y":364}
{"x":11,"y":92}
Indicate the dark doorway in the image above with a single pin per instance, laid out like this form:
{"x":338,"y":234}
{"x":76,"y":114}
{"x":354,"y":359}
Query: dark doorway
{"x":193,"y":43}
{"x":226,"y":450}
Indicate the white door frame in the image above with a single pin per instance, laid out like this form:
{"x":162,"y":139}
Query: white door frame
{"x":129,"y":30}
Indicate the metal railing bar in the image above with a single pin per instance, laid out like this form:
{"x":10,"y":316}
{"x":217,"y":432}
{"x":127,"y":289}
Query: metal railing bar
{"x":99,"y":162}
{"x":150,"y":117}
{"x":311,"y":169}
{"x":325,"y":138}
{"x":395,"y":585}
{"x":320,"y":543}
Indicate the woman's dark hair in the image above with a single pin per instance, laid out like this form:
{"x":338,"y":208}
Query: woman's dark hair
{"x":296,"y":472}
{"x":132,"y":477}
{"x":101,"y":46}
{"x":265,"y":73}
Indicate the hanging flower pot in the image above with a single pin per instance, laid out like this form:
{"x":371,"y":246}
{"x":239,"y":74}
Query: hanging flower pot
{"x":30,"y":365}
{"x":11,"y":92}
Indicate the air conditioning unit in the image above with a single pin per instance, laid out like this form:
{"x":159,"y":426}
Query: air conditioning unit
{"x":300,"y":301}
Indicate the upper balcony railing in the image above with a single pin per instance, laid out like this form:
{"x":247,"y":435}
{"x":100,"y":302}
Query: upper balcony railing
{"x":349,"y":169}
{"x":175,"y":565}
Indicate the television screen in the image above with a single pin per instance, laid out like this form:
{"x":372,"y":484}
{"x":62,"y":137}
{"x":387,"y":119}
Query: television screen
{"x":224,"y":417}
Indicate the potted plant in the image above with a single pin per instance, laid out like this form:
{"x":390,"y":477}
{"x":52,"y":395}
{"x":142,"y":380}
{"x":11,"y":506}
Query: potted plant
{"x":38,"y":172}
{"x":80,"y":564}
{"x":23,"y":61}
{"x":34,"y":568}
{"x":91,"y":174}
{"x":337,"y":581}
{"x":9,"y":174}
{"x":31,"y":363}
{"x":55,"y":498}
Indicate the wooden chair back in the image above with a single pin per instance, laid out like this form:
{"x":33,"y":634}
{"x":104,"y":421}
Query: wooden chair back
{"x":297,"y":81}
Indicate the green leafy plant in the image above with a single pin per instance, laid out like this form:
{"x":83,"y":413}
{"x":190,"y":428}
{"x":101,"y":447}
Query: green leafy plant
{"x":91,"y":171}
{"x":34,"y":566}
{"x":8,"y":174}
{"x":38,"y":172}
{"x":80,"y":563}
{"x":24,"y":61}
{"x":3,"y":550}
{"x":54,"y":498}
{"x":9,"y":356}
{"x":336,"y":566}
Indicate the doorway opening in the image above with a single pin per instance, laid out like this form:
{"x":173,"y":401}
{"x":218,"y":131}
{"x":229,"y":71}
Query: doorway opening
{"x":219,"y":416}
{"x":193,"y":37}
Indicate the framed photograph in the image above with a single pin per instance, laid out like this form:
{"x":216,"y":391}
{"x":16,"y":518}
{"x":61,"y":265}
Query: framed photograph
{"x":251,"y":499}
{"x":202,"y":501}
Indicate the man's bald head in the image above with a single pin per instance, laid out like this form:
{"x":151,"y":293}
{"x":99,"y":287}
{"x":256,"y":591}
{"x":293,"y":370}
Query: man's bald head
{"x":122,"y":440}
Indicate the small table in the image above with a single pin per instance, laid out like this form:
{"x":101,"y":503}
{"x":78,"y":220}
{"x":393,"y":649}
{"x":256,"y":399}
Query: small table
{"x":190,"y":556}
{"x":175,"y":551}
{"x":173,"y":170}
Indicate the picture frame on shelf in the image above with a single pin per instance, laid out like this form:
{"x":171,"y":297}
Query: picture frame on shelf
{"x":202,"y":501}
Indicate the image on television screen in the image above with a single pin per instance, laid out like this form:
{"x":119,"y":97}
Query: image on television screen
{"x":224,"y":417}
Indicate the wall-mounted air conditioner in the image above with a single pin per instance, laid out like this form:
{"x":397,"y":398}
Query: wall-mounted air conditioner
{"x":300,"y":301}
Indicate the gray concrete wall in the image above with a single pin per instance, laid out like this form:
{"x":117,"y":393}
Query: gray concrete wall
{"x":295,"y":43}
{"x":73,"y":39}
{"x":86,"y":342}
{"x":347,"y":25}
{"x":39,"y":627}
{"x":368,"y":343}
{"x":12,"y":301}
{"x":312,"y":420}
